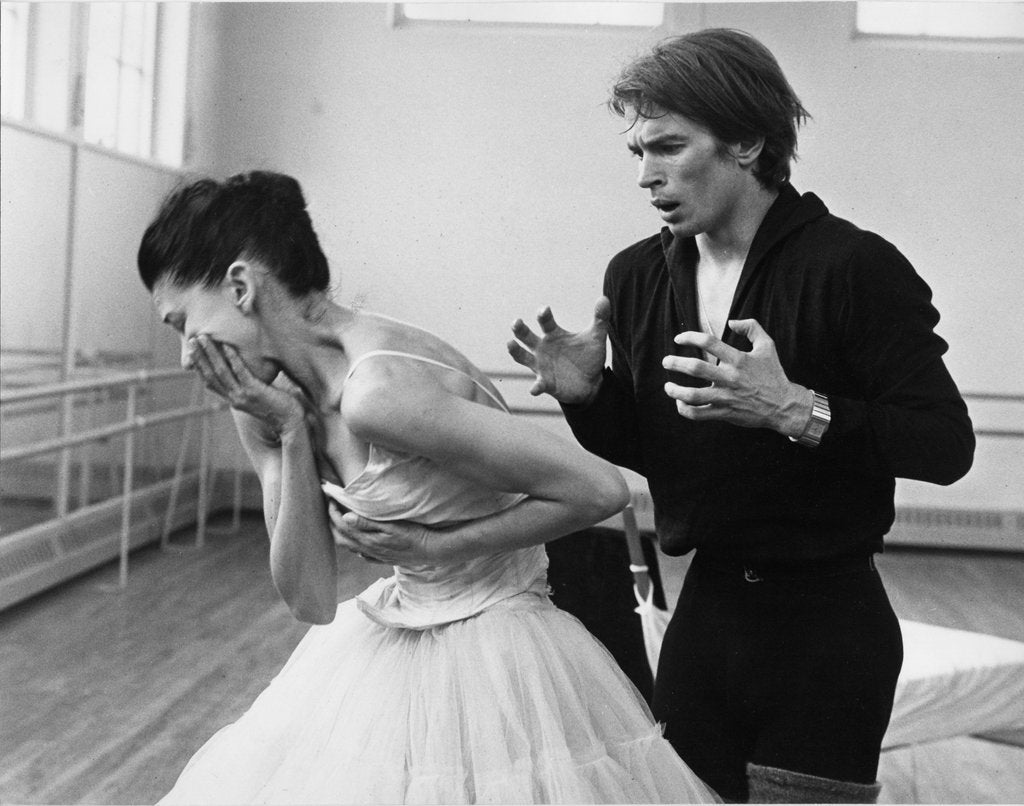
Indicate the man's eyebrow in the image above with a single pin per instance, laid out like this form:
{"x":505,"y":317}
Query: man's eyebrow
{"x":662,"y":139}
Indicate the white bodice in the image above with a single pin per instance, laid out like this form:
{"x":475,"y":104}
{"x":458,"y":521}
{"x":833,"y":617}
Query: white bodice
{"x":397,"y":486}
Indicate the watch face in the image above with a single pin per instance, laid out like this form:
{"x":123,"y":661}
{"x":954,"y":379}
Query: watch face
{"x":818,"y":424}
{"x":820,"y":419}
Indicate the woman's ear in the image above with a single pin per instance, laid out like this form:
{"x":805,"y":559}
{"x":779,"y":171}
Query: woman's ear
{"x":746,"y":152}
{"x":240,"y":279}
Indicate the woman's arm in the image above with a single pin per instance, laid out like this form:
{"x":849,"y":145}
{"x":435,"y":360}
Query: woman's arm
{"x":567,"y":489}
{"x":272,"y":427}
{"x":303,"y":561}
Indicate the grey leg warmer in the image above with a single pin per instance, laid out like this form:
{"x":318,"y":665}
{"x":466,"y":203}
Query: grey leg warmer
{"x":774,"y":785}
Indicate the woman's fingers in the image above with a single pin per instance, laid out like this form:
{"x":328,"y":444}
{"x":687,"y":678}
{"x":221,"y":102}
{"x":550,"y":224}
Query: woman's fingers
{"x":375,"y":541}
{"x":363,"y":526}
{"x":243,"y":375}
{"x":238,"y":367}
{"x":215,"y":355}
{"x":204,"y":366}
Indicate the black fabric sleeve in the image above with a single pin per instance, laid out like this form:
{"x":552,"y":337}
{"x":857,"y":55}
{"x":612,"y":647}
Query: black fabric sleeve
{"x":910,"y":422}
{"x":607,"y":425}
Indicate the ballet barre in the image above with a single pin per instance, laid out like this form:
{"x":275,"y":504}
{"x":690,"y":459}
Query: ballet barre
{"x":131,"y":424}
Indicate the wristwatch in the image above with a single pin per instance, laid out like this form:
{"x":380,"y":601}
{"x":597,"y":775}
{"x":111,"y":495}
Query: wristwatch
{"x":816,"y":427}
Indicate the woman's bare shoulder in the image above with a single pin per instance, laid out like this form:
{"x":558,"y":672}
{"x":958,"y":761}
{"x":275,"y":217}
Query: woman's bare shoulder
{"x":391,"y":335}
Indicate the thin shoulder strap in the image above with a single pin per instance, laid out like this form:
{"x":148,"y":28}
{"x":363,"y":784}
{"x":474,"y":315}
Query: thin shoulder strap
{"x":425,"y":360}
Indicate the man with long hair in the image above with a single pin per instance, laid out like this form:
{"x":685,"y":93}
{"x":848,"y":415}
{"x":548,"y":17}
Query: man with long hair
{"x":774,"y":369}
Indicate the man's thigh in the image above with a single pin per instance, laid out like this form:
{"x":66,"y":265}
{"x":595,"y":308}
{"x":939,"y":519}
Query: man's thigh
{"x":692,"y":694}
{"x":833,"y":682}
{"x":798,"y":676}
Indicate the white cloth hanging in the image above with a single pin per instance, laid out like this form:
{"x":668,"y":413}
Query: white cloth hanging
{"x":653,"y":619}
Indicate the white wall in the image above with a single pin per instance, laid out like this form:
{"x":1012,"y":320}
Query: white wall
{"x":64,"y":202}
{"x":34,"y":198}
{"x":463,"y":175}
{"x":459,"y":177}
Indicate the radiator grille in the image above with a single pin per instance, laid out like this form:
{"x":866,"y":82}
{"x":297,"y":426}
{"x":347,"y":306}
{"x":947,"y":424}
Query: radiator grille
{"x":19,"y":559}
{"x":956,"y":518}
{"x":75,"y":537}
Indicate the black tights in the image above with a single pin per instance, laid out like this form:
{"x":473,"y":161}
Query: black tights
{"x":795,"y":672}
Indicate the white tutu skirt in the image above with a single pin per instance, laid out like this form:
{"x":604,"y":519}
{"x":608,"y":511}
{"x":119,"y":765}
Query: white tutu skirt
{"x":518,"y":704}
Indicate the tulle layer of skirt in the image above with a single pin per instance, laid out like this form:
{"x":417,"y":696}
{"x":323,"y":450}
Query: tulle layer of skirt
{"x":519,"y":704}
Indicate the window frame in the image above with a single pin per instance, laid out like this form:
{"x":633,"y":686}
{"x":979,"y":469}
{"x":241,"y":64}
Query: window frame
{"x":154,"y":149}
{"x":930,"y":41}
{"x":24,"y":46}
{"x":397,"y":18}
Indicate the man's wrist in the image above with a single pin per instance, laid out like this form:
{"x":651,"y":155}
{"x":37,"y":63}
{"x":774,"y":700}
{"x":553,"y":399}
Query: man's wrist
{"x":587,"y":399}
{"x":817,"y":422}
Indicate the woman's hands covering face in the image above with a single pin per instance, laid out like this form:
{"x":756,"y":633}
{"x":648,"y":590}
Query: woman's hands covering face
{"x":226,"y":374}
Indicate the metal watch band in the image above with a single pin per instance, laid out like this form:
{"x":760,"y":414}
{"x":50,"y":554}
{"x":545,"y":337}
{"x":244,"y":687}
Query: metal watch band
{"x":816,"y":427}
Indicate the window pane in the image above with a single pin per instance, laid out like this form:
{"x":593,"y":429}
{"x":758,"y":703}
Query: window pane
{"x":119,"y":76}
{"x":128,"y":128}
{"x":101,"y":74}
{"x":123,"y":96}
{"x":51,"y":92}
{"x":617,"y":13}
{"x":132,"y":33}
{"x":13,"y":51}
{"x":973,"y":20}
{"x":172,"y":75}
{"x":105,"y":30}
{"x":144,"y":90}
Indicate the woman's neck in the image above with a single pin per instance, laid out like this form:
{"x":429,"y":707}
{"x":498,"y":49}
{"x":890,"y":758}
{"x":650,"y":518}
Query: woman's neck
{"x":309,"y":342}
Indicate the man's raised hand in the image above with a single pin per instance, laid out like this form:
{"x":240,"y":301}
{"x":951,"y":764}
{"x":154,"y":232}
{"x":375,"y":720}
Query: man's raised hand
{"x":749,"y":389}
{"x":567,"y":365}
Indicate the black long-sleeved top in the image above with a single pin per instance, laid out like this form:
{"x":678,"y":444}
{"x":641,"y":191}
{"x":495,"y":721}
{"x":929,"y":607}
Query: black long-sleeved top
{"x":851,"y":319}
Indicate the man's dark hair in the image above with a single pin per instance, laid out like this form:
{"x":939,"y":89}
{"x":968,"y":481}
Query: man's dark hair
{"x":204,"y":226}
{"x":725,"y":81}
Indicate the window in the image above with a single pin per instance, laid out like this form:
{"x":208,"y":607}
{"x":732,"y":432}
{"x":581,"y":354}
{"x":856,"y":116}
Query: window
{"x":14,"y":32}
{"x":948,"y":20}
{"x":52,"y":76}
{"x":573,"y":13}
{"x":112,"y":73}
{"x":118,"y":108}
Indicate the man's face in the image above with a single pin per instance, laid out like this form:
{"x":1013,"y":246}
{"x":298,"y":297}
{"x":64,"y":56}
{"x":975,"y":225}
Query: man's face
{"x":693,"y":180}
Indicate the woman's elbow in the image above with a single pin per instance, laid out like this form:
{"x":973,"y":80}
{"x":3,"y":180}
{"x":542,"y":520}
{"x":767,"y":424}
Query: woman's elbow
{"x":309,"y":603}
{"x":314,"y":612}
{"x":609,"y":495}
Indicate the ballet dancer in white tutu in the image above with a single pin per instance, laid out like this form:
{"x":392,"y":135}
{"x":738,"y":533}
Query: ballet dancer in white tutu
{"x":456,"y":680}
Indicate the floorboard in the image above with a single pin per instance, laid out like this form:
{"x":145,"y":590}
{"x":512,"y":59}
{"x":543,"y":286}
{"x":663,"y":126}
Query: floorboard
{"x":106,"y":693}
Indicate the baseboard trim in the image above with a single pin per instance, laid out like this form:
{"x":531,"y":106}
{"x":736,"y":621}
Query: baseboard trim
{"x":931,"y":527}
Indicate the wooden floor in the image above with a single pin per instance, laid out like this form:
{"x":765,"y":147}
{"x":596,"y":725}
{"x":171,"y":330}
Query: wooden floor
{"x":106,"y":693}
